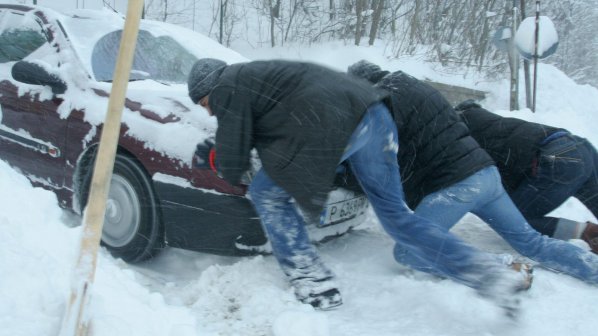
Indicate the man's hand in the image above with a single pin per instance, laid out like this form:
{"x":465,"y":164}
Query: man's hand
{"x":205,"y":155}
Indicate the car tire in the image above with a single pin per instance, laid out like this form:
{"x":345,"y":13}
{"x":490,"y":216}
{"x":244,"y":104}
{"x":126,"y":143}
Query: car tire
{"x":132,"y":229}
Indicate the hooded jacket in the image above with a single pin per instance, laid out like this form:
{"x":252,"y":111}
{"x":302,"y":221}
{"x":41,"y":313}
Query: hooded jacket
{"x":435,"y":147}
{"x":513,"y":143}
{"x":299,"y":117}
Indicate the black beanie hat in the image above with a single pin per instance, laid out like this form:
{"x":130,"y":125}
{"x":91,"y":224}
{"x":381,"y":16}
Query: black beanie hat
{"x":203,"y":77}
{"x":366,"y":70}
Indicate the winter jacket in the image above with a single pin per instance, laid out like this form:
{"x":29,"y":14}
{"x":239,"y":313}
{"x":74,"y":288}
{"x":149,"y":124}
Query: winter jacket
{"x":435,"y":148}
{"x":299,"y":117}
{"x":513,"y":143}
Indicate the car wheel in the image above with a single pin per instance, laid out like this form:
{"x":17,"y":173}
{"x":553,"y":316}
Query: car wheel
{"x":132,"y":227}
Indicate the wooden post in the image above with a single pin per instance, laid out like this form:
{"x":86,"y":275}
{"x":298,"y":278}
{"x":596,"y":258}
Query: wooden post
{"x":76,"y":319}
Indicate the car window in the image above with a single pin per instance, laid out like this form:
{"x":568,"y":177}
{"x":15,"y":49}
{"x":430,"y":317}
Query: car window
{"x":156,"y":57}
{"x":20,"y":35}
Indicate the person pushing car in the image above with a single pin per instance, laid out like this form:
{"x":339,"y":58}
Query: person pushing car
{"x":304,"y":120}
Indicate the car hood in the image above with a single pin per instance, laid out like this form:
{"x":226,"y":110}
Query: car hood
{"x":162,"y":116}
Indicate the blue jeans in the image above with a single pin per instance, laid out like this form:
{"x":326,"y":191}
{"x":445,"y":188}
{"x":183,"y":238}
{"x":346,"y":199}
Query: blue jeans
{"x":483,"y":195}
{"x":285,"y":228}
{"x":567,"y":166}
{"x":372,"y":155}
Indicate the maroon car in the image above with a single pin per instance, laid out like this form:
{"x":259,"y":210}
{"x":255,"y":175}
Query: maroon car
{"x":55,"y":77}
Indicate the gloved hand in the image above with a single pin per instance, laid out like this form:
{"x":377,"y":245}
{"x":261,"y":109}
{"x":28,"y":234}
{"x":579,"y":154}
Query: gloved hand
{"x":205,"y":155}
{"x":466,"y":105}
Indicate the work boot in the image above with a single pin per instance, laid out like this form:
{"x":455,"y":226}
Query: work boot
{"x":502,"y":287}
{"x":322,"y":294}
{"x":324,"y":301}
{"x":526,"y":270}
{"x":590,"y":236}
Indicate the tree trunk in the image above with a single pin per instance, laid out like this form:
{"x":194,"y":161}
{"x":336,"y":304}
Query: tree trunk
{"x":379,"y":5}
{"x":332,"y":8}
{"x":274,"y":14}
{"x":415,"y":24}
{"x":359,"y":6}
{"x":291,"y":17}
{"x":222,"y":15}
{"x":165,"y":16}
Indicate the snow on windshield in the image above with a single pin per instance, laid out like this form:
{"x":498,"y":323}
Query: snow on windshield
{"x":158,"y":58}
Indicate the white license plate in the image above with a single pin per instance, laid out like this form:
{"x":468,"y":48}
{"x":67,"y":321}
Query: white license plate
{"x":344,"y":210}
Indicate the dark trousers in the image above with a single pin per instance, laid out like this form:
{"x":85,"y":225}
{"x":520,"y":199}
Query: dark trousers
{"x":567,"y":166}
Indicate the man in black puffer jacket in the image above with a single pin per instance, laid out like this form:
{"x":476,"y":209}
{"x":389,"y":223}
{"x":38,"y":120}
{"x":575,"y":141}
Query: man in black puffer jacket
{"x":304,"y":120}
{"x":541,"y":166}
{"x":435,"y":148}
{"x":452,"y":175}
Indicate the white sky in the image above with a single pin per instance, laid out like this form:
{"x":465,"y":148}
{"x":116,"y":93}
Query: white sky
{"x":185,"y":293}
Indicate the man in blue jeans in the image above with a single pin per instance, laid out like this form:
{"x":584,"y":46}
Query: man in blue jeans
{"x":447,"y":175}
{"x":304,"y":120}
{"x":541,"y":167}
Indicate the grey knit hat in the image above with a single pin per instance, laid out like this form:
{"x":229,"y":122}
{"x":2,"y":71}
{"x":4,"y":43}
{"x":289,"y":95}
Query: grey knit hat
{"x":366,"y":70}
{"x":203,"y":77}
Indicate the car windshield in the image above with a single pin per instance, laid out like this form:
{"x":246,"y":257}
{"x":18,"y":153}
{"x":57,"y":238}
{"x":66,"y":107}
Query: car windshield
{"x":158,"y":55}
{"x":160,"y":58}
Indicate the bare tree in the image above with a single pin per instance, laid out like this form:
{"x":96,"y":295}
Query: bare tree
{"x":295,"y":4}
{"x":454,"y":33}
{"x":377,"y":6}
{"x":222,"y":16}
{"x":274,"y":14}
{"x":332,"y":9}
{"x":359,"y":7}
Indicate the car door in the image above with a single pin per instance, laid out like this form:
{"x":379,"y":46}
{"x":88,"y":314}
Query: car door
{"x":32,"y":135}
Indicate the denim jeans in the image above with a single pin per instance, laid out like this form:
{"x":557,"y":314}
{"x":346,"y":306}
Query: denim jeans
{"x":567,"y":166}
{"x":372,"y":155}
{"x":285,"y":228}
{"x":483,"y":195}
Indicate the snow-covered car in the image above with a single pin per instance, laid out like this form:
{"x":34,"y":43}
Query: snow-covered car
{"x":55,"y":77}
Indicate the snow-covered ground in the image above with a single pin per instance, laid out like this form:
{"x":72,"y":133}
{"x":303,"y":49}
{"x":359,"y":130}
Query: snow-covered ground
{"x":183,"y":293}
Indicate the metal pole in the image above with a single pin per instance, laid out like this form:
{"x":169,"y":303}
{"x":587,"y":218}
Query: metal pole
{"x":514,"y":58}
{"x":526,"y":72}
{"x":536,"y":37}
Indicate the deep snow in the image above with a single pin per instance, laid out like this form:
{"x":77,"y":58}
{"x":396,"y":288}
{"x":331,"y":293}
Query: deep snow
{"x":187,"y":293}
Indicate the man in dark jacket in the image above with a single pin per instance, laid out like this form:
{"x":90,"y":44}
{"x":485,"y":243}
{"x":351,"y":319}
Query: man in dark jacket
{"x":304,"y":120}
{"x":451,"y":175}
{"x":541,"y":167}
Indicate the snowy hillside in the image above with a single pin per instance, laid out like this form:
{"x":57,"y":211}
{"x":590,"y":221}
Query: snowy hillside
{"x":183,"y":293}
{"x":187,"y":293}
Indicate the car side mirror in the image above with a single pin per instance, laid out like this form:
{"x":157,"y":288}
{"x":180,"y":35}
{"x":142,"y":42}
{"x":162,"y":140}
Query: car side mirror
{"x":32,"y":73}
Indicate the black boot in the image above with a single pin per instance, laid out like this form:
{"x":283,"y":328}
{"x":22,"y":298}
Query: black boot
{"x":322,"y":293}
{"x":326,"y":300}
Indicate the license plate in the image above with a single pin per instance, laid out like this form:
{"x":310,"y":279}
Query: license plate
{"x":344,"y":210}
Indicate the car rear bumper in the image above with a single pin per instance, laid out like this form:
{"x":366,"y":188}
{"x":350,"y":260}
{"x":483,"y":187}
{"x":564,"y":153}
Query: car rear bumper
{"x":213,"y":222}
{"x":208,"y":221}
